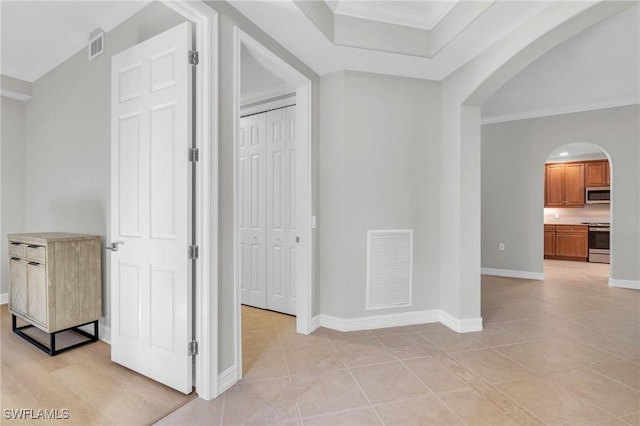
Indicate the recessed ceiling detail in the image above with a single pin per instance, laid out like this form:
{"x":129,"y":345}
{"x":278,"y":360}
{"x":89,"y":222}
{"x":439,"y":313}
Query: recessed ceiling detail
{"x":417,"y":14}
{"x":417,"y":28}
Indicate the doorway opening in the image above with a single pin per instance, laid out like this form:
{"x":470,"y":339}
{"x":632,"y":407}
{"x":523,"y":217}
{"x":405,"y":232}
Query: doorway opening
{"x":272,"y":187}
{"x":577,"y":212}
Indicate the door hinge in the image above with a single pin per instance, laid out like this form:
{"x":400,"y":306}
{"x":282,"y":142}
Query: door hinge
{"x":194,"y":57}
{"x":194,"y":155}
{"x":192,"y":348}
{"x":193,"y":252}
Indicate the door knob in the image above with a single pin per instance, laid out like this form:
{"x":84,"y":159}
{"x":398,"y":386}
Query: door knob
{"x":114,"y":246}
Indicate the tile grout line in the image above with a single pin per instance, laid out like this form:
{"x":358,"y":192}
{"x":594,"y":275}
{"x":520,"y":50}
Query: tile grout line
{"x":473,"y":387}
{"x":365,"y":396}
{"x":437,"y":397}
{"x":611,"y":378}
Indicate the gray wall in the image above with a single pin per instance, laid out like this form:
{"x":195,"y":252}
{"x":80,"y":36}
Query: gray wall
{"x":68,"y":137}
{"x":12,"y":178}
{"x":379,"y":169}
{"x":513,"y":157}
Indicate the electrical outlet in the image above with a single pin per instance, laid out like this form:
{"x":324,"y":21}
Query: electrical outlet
{"x":557,"y":215}
{"x":501,"y":246}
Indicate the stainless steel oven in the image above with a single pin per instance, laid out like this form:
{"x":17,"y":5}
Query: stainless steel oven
{"x":599,"y":250}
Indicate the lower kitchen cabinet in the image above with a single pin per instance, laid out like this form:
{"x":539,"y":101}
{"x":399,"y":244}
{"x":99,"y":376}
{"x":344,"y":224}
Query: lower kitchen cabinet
{"x":568,"y":242}
{"x":549,"y":240}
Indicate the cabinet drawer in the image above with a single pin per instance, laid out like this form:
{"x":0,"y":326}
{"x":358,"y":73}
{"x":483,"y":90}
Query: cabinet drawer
{"x":36,"y":253}
{"x":17,"y":249}
{"x":549,"y":228}
{"x":571,"y":228}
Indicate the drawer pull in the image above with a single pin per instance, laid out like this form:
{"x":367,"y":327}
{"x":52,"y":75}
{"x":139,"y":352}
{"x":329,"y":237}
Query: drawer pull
{"x":35,"y":264}
{"x":31,"y":246}
{"x":15,"y":244}
{"x":15,"y":258}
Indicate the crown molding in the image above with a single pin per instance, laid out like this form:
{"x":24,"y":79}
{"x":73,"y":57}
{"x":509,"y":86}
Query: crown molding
{"x":560,"y":110}
{"x":14,"y":95}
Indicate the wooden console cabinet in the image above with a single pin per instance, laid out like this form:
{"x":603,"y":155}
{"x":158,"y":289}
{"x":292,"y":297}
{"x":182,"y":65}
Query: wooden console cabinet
{"x":55,"y":284}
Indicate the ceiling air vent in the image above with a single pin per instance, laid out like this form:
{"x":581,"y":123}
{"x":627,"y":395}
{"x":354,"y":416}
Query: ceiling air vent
{"x":96,"y":43}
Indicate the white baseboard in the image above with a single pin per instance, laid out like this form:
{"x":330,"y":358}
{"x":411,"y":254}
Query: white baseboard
{"x":397,"y":320}
{"x":631,"y":284}
{"x":4,"y":298}
{"x":227,"y":378}
{"x":461,"y":325}
{"x":104,"y":333}
{"x":527,"y":275}
{"x":377,"y":321}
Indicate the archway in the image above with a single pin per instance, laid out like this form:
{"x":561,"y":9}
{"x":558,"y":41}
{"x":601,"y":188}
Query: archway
{"x":463,"y":93}
{"x":577,"y":230}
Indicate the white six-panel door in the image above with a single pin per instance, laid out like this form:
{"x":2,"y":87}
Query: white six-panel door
{"x":252,"y":186}
{"x":151,"y":208}
{"x":266,"y":174}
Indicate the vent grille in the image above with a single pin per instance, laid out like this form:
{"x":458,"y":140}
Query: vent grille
{"x":96,"y":44}
{"x":389,"y":269}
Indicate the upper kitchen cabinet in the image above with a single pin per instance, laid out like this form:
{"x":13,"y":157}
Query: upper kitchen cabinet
{"x":596,"y":173}
{"x":564,"y":185}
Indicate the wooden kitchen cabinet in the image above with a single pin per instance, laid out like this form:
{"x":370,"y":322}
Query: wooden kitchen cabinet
{"x":549,"y":240}
{"x":55,"y":284}
{"x":564,"y":185}
{"x":597,"y":173}
{"x":568,"y":242}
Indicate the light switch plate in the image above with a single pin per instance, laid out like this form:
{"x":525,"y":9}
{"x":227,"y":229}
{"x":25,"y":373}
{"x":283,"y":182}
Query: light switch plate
{"x":313,"y":222}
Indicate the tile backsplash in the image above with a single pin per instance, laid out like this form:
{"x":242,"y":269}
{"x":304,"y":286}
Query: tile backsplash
{"x":589,"y":213}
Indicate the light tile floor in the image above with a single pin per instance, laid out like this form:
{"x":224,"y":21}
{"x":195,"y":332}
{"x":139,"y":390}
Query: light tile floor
{"x":562,"y":351}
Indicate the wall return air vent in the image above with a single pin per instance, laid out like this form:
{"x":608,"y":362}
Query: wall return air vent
{"x":389,"y":268}
{"x":96,"y":43}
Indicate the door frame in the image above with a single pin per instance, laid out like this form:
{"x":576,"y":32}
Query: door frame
{"x":304,"y":270}
{"x":205,"y":113}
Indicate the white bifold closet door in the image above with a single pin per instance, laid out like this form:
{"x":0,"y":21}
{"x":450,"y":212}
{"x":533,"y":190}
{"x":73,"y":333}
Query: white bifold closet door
{"x":267,"y":229}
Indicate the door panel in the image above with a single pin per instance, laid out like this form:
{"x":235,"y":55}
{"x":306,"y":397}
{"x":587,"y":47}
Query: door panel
{"x":574,"y":185}
{"x":554,"y":185}
{"x":37,"y":292}
{"x":18,"y":279}
{"x":266,"y":168}
{"x":276,"y":203}
{"x":151,"y":208}
{"x":252,"y":207}
{"x":290,"y":211}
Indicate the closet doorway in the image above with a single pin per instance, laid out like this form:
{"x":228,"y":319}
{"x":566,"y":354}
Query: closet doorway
{"x":273,"y":264}
{"x":266,"y":215}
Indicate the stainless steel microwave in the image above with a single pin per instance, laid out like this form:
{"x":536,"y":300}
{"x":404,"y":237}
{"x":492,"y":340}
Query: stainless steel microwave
{"x":598,"y":195}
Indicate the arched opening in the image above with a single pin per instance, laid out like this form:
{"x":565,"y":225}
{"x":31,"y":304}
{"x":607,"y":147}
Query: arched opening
{"x":514,"y":190}
{"x":577,"y":213}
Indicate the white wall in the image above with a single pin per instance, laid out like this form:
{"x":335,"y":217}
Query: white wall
{"x":379,"y":169}
{"x":513,"y":157}
{"x":68,"y":137}
{"x":12,"y":170}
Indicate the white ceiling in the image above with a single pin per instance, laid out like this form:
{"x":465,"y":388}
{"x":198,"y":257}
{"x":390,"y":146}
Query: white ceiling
{"x":257,"y":82}
{"x":577,"y":150}
{"x":415,"y":14}
{"x":302,"y":38}
{"x":596,"y":67}
{"x":39,"y":35}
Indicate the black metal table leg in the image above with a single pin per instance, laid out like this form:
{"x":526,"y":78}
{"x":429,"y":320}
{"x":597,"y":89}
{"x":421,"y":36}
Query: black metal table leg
{"x":51,"y":350}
